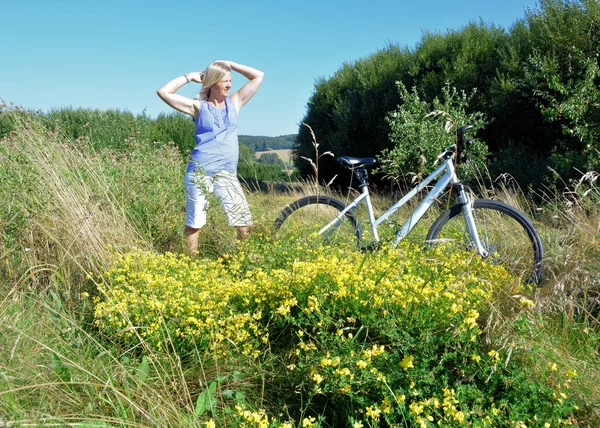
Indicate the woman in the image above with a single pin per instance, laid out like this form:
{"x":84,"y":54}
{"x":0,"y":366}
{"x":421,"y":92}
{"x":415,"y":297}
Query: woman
{"x":213,"y":163}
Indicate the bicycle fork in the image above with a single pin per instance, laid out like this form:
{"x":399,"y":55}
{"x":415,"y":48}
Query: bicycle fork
{"x":466,"y":202}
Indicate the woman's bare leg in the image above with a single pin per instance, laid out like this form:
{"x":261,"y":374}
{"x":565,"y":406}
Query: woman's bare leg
{"x":243,"y":232}
{"x":192,"y":238}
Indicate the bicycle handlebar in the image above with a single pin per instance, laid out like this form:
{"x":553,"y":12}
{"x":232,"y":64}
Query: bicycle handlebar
{"x":461,"y":155}
{"x":461,"y":132}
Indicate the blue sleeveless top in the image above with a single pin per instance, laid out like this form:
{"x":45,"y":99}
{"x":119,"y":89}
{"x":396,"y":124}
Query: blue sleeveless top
{"x":217,"y":147}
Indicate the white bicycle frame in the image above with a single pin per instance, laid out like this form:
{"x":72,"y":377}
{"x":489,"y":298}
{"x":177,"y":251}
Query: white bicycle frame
{"x":448,"y":178}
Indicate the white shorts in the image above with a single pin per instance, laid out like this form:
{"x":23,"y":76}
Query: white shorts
{"x":225,"y":186}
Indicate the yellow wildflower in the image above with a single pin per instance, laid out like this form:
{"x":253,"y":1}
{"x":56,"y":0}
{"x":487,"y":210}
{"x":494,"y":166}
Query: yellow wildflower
{"x":416,"y":408}
{"x":308,"y":422}
{"x":495,"y":356}
{"x":361,"y":364}
{"x":407,"y":362}
{"x":373,"y":412}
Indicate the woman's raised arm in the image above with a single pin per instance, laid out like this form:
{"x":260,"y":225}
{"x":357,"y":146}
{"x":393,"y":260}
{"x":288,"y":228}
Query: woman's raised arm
{"x":247,"y":91}
{"x":184,"y":104}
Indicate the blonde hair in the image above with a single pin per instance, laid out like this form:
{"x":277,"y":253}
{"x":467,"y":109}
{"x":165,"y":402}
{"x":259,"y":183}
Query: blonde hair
{"x":213,"y":74}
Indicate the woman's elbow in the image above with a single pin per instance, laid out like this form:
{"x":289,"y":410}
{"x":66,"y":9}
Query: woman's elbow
{"x":258,"y":79}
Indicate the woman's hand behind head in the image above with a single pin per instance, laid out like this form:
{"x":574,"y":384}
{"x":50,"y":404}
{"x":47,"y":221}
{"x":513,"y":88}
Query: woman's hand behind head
{"x":196,"y":76}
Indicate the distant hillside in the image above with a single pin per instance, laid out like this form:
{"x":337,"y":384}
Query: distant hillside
{"x":261,"y":143}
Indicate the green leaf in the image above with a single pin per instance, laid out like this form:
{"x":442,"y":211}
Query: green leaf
{"x":206,"y":400}
{"x":143,"y":369}
{"x":60,"y":368}
{"x":240,"y":397}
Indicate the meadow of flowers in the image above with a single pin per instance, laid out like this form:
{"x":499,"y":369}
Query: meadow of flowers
{"x":344,"y":337}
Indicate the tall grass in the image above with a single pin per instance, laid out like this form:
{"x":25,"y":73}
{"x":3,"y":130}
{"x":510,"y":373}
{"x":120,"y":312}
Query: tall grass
{"x":55,"y":372}
{"x":565,"y":326}
{"x":61,"y":209}
{"x":67,"y":208}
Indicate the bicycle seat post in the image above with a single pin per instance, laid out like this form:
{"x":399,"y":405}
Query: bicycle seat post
{"x":362,"y":176}
{"x":359,"y":167}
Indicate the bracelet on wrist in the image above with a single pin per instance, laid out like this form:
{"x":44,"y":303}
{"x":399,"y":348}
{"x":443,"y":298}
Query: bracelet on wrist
{"x":187,"y":77}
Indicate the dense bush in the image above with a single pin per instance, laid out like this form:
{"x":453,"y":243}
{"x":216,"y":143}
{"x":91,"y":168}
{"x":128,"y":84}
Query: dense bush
{"x":110,"y":129}
{"x":419,"y":136}
{"x":176,"y":127}
{"x":261,"y":144}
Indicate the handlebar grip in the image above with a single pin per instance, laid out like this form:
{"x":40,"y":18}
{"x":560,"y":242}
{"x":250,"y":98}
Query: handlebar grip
{"x":461,"y":132}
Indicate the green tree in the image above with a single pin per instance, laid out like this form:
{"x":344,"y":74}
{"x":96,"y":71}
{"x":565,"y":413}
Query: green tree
{"x":261,"y":143}
{"x":575,"y":105}
{"x":544,"y":69}
{"x":347,"y":111}
{"x":529,"y":82}
{"x":565,"y":73}
{"x":466,"y":58}
{"x":271,"y":159}
{"x":247,"y":154}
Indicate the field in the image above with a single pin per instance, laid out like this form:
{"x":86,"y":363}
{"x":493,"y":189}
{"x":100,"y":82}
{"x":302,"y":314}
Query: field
{"x":284,"y":154}
{"x":106,"y":320}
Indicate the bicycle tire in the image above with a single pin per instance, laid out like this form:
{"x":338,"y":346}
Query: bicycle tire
{"x":308,"y":215}
{"x":506,"y":233}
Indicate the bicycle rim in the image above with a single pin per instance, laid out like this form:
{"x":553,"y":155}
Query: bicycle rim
{"x":307,"y":216}
{"x":505,"y":233}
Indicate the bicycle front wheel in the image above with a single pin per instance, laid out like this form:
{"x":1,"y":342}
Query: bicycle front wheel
{"x":509,"y":237}
{"x":307,"y":216}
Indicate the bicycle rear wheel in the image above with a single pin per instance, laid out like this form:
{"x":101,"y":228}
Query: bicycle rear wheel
{"x":508,"y":236}
{"x":306,"y":216}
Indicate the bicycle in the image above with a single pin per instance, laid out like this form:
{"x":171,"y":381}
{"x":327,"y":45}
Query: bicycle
{"x":494,"y":229}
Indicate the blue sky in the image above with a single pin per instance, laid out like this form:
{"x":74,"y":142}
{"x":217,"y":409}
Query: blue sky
{"x":115,"y":54}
